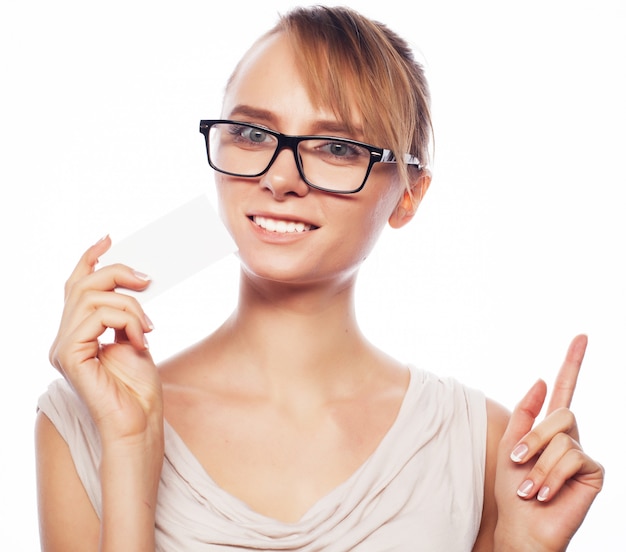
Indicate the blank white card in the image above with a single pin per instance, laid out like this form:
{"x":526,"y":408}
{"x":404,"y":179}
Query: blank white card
{"x":173,"y":247}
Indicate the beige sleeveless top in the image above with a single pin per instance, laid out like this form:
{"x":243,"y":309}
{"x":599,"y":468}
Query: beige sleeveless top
{"x":421,"y":490}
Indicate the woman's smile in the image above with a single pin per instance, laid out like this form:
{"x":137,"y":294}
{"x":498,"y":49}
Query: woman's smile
{"x":281,"y":226}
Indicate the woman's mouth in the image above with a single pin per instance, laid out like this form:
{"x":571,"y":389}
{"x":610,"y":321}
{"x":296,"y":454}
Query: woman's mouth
{"x":281,"y":226}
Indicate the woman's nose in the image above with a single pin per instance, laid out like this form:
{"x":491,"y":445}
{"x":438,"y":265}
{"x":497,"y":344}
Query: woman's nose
{"x":283,"y":178}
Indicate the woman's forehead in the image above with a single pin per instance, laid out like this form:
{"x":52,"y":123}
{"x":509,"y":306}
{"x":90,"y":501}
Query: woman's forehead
{"x":268,"y":84}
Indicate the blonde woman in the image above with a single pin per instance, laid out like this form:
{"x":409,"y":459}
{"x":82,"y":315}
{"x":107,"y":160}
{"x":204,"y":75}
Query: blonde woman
{"x":286,"y":429}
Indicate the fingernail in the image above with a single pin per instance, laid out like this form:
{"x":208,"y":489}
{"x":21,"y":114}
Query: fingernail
{"x":525,"y":488}
{"x":543,"y":493}
{"x":145,"y":342}
{"x":519,"y":452}
{"x":141,"y":276}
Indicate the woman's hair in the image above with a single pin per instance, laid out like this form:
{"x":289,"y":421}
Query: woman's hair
{"x":346,"y":60}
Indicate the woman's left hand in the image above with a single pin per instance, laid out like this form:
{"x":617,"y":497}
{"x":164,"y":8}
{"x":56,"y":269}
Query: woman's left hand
{"x":545,"y":483}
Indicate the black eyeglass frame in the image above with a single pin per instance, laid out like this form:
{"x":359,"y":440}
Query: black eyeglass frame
{"x":377,"y":155}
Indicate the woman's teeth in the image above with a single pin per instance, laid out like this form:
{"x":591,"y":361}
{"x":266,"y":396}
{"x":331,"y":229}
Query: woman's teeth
{"x":281,"y":226}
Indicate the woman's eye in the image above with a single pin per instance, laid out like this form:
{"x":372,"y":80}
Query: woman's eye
{"x":340,"y":150}
{"x":254,"y":135}
{"x":344,"y":151}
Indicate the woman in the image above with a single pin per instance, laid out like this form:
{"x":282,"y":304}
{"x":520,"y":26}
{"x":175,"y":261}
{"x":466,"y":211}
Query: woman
{"x":286,"y":429}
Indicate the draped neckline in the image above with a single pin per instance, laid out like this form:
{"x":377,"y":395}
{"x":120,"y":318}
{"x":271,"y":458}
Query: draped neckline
{"x":189,"y":467}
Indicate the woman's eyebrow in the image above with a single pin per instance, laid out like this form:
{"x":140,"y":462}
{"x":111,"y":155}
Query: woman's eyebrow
{"x":329,"y":127}
{"x":253,"y":113}
{"x":334,"y":127}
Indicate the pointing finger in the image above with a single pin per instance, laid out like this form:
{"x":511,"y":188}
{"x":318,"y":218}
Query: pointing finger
{"x":565,"y":383}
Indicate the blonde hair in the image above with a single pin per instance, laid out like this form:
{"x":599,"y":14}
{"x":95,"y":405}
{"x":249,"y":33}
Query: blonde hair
{"x":348,"y":61}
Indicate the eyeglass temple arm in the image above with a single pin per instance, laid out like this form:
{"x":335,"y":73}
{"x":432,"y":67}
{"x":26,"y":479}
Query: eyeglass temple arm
{"x":389,"y":157}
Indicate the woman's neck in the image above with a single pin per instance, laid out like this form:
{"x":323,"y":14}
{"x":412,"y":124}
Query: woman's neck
{"x":298,"y":336}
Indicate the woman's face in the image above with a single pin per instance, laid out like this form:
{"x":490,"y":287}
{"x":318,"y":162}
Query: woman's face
{"x":285,"y":230}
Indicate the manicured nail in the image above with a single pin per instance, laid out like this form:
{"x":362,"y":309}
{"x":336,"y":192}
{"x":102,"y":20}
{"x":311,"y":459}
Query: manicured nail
{"x":141,"y":276}
{"x":525,"y":488}
{"x":519,"y":452}
{"x":145,"y":342}
{"x":543,"y":493}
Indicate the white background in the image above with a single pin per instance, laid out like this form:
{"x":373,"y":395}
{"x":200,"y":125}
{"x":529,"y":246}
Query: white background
{"x":519,"y":245}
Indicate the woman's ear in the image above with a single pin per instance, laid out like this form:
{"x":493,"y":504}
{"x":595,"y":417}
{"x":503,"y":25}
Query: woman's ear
{"x":410,"y":200}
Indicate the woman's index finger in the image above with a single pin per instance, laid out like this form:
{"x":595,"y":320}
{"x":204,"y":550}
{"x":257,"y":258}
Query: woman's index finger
{"x":565,"y":383}
{"x":87,"y":263}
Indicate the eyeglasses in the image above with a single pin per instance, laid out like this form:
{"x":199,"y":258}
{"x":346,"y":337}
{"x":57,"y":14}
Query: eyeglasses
{"x":327,"y":163}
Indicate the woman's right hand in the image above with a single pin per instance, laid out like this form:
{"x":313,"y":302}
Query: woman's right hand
{"x":120,"y":386}
{"x":118,"y":382}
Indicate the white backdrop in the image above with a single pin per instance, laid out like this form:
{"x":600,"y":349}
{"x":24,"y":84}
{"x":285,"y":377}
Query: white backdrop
{"x":518,"y":247}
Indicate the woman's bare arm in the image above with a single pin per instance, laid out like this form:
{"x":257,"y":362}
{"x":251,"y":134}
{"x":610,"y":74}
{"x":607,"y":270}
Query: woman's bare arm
{"x":67,"y":520}
{"x":497,"y":420}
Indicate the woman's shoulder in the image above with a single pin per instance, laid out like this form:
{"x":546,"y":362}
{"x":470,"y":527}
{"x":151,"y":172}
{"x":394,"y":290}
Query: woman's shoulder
{"x":65,"y":430}
{"x":497,"y":414}
{"x":61,"y":404}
